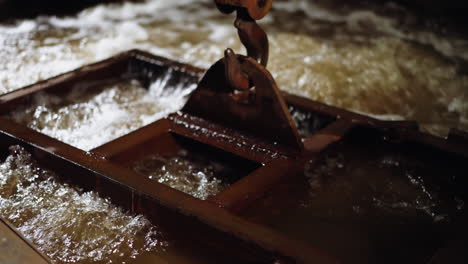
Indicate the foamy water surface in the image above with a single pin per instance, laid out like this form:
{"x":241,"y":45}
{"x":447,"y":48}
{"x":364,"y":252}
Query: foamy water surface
{"x":88,"y":119}
{"x":381,"y":61}
{"x":183,"y":174}
{"x":68,"y":225}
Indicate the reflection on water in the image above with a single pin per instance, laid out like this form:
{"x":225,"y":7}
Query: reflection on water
{"x":190,"y":175}
{"x":384,"y":185}
{"x":377,"y":60}
{"x":366,"y":201}
{"x":66,"y":224}
{"x":87,"y":119}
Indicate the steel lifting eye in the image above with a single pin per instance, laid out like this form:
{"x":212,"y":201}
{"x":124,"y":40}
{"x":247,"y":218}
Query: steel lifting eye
{"x":235,"y":76}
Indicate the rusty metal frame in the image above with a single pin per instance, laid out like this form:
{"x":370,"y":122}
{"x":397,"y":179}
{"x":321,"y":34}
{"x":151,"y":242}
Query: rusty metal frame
{"x":219,"y":215}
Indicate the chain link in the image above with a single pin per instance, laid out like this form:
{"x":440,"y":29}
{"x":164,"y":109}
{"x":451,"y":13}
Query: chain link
{"x":251,"y":35}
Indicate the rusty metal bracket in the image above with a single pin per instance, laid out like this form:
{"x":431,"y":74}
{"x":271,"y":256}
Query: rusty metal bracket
{"x":238,"y":92}
{"x":236,"y":78}
{"x":259,"y":111}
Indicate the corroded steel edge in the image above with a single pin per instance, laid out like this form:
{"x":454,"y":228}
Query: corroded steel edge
{"x":37,"y":254}
{"x":209,"y":212}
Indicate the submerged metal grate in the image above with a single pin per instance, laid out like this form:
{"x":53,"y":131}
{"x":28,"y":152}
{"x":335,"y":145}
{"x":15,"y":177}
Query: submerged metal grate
{"x":262,"y":215}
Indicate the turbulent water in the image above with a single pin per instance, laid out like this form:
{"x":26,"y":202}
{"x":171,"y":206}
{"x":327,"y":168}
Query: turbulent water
{"x":378,"y":60}
{"x":114,"y":110}
{"x":66,"y":224}
{"x":183,"y":174}
{"x":381,"y":61}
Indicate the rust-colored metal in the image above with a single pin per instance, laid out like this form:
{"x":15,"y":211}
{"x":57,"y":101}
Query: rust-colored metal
{"x":99,"y":170}
{"x":253,"y":37}
{"x":257,"y":112}
{"x":249,"y":189}
{"x":15,"y":249}
{"x":257,"y":8}
{"x":235,"y":76}
{"x":248,"y":242}
{"x":327,"y":136}
{"x":226,"y":224}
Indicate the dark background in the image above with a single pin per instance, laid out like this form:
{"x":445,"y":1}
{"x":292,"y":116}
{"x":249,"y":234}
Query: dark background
{"x":454,"y":12}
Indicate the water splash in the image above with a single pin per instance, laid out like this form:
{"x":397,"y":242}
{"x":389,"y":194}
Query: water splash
{"x":184,"y":174}
{"x":361,"y":57}
{"x":113,"y":110}
{"x":68,"y":225}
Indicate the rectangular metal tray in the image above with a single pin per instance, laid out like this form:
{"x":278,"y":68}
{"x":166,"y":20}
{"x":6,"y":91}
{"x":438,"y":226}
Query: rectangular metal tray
{"x":223,"y":222}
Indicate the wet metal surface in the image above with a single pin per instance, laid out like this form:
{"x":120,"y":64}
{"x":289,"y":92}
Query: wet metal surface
{"x":15,"y":250}
{"x":226,"y":220}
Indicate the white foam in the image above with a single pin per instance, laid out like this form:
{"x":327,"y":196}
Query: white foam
{"x":360,"y":21}
{"x":183,"y":174}
{"x":21,"y":27}
{"x":87,"y":121}
{"x":68,"y":225}
{"x":368,"y":61}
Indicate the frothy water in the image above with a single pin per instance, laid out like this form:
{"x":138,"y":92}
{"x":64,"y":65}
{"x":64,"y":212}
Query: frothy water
{"x":68,"y":225}
{"x":184,"y":174}
{"x":87,"y":119}
{"x":378,"y":60}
